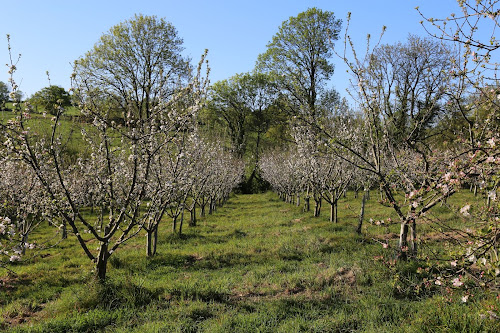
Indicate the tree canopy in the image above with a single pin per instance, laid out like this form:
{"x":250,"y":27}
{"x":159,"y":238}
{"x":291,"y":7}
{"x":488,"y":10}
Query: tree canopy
{"x":4,"y":94}
{"x":51,"y":98}
{"x":299,"y":56}
{"x":133,"y":66}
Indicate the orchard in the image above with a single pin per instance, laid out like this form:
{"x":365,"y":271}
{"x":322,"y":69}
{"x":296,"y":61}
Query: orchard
{"x":265,"y":201}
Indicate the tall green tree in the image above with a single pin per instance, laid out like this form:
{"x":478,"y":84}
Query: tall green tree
{"x":299,"y":56}
{"x":246,"y":106}
{"x":241,"y":104}
{"x":4,"y":95}
{"x":135,"y":64}
{"x":51,"y":98}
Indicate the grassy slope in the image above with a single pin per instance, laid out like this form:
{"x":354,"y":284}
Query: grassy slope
{"x":257,"y":264}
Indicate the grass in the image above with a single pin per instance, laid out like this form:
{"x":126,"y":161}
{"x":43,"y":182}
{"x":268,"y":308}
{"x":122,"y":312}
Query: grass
{"x":256,"y":265}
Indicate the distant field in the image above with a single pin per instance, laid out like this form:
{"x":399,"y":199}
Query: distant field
{"x":256,"y":265}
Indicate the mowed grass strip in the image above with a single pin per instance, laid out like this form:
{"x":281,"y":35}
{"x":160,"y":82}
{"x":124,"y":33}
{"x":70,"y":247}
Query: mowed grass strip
{"x":256,"y":265}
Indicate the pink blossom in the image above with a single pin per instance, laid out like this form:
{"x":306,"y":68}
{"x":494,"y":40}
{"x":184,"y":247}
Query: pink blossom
{"x":456,"y":282}
{"x":465,"y":210}
{"x":491,"y":142}
{"x":14,"y":258}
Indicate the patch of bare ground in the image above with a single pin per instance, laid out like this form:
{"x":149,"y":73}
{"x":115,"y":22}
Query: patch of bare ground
{"x":20,"y":315}
{"x":10,"y":283}
{"x":342,"y":278}
{"x":438,"y":236}
{"x":390,"y":235}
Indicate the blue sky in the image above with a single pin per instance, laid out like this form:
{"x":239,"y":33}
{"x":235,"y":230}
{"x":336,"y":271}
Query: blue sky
{"x":51,"y":34}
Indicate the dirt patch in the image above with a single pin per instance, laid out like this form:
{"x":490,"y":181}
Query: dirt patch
{"x":10,"y":282}
{"x":20,"y":316}
{"x":438,"y":236}
{"x":343,"y":277}
{"x":391,"y":235}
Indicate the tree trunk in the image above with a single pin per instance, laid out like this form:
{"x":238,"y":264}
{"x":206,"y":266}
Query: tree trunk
{"x":403,"y":240}
{"x":102,"y":262}
{"x":192,"y":221}
{"x":211,"y":207}
{"x":149,"y":243}
{"x":413,"y":237}
{"x":361,"y":213}
{"x":332,"y":212}
{"x":298,"y":200}
{"x":202,"y":210}
{"x":336,"y":212}
{"x":182,"y":221}
{"x":24,"y":240}
{"x":64,"y":231}
{"x":317,"y":207}
{"x":152,"y":241}
{"x":174,"y":224}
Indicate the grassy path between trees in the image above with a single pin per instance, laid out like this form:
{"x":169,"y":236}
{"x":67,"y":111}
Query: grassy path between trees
{"x":255,"y":265}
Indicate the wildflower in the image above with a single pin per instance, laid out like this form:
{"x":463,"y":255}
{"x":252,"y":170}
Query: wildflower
{"x":465,"y":298}
{"x":438,"y":281}
{"x":385,"y":245}
{"x":453,"y":263}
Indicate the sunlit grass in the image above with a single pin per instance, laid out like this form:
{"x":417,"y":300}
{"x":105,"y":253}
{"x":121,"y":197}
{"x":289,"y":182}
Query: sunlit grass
{"x":256,"y":264}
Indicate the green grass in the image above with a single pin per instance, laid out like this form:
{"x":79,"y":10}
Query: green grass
{"x":256,"y":265}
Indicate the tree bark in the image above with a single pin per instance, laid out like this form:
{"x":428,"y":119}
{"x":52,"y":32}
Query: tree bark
{"x":182,"y":221}
{"x":413,"y":237}
{"x":102,"y":261}
{"x":332,"y":212}
{"x":174,"y":224}
{"x":361,"y":213}
{"x":149,"y":241}
{"x":202,"y":210}
{"x":403,"y":240}
{"x":64,"y":231}
{"x":192,"y":221}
